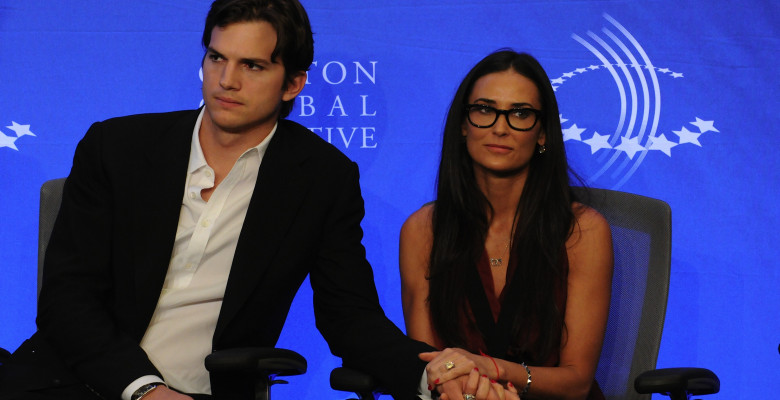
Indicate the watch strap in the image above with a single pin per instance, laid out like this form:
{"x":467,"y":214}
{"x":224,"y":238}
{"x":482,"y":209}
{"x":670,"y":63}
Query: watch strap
{"x":145,"y":389}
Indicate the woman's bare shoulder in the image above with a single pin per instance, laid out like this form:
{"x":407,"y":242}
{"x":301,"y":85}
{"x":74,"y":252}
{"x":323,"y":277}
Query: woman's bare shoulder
{"x":420,"y":221}
{"x":590,"y":231}
{"x":415,"y":247}
{"x":588,"y":218}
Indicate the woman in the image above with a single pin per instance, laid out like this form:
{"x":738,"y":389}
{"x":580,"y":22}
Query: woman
{"x":506,"y":271}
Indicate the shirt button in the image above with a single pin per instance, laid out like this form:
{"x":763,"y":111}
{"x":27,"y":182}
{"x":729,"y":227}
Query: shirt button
{"x":208,"y":173}
{"x":205,"y":223}
{"x":192,"y":195}
{"x":188,"y":266}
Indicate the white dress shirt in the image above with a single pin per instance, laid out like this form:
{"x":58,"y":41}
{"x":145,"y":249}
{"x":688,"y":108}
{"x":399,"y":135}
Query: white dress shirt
{"x":179,"y":336}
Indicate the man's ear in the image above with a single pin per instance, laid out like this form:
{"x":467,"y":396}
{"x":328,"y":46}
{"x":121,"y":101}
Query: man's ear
{"x":294,"y":86}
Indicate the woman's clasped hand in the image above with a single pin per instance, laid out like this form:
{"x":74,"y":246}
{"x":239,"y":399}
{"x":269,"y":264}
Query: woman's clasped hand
{"x":454,"y":371}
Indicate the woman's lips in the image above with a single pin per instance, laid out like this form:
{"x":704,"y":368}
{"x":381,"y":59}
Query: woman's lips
{"x":497,"y":148}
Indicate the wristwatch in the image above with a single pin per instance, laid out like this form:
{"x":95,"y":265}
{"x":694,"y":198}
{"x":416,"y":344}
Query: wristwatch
{"x":144,"y":390}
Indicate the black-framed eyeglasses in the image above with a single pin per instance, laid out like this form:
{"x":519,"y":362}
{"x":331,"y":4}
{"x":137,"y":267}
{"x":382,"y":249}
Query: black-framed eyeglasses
{"x":519,"y":119}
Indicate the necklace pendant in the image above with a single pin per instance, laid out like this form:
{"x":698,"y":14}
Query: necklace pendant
{"x":496,"y":262}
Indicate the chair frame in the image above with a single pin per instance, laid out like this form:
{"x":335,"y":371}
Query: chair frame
{"x":628,"y":213}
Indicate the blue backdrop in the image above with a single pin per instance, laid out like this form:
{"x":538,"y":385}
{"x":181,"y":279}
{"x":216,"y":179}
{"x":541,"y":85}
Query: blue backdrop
{"x":669,"y":99}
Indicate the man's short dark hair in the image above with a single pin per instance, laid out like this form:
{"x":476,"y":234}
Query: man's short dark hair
{"x":294,"y":43}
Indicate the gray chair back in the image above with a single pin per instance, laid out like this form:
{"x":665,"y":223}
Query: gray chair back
{"x":51,"y":197}
{"x":642,"y":240}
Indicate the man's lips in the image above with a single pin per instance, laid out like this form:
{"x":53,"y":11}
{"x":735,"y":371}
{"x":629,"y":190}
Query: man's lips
{"x":227,"y":101}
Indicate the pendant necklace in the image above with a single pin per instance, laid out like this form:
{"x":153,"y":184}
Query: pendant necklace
{"x":497,"y":262}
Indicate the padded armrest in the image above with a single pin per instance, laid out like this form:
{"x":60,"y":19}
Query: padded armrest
{"x":350,"y":380}
{"x":4,"y":354}
{"x":694,"y":381}
{"x":257,"y":360}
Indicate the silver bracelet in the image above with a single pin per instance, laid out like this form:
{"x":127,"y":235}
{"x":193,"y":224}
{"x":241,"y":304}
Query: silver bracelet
{"x":527,"y":382}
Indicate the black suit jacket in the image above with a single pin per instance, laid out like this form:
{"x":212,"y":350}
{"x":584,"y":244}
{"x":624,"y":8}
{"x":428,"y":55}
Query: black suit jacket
{"x":112,"y":242}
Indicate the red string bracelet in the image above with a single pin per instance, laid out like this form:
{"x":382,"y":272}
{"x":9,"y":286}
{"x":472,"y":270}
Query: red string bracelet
{"x":498,"y":374}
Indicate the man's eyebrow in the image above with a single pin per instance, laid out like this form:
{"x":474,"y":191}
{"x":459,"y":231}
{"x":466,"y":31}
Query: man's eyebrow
{"x":245,"y":60}
{"x":259,"y":61}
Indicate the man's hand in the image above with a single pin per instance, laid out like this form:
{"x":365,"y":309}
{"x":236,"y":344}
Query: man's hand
{"x":163,"y":393}
{"x":452,"y":389}
{"x":483,"y":387}
{"x":479,"y":386}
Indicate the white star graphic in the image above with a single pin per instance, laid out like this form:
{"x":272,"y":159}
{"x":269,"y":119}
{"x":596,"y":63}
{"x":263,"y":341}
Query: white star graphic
{"x":21,"y":130}
{"x":580,"y":70}
{"x":677,"y":75}
{"x":568,"y":74}
{"x":704,"y":126}
{"x":598,"y":142}
{"x":572,"y":132}
{"x":687,"y":136}
{"x":592,"y":67}
{"x":661,"y":143}
{"x":560,"y":116}
{"x":630,"y":146}
{"x":664,"y":70}
{"x":8,"y":141}
{"x":557,"y":81}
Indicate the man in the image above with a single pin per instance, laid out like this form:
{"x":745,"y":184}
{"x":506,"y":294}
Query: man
{"x":188,"y":232}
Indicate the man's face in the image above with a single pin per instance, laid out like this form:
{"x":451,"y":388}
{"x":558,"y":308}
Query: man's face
{"x":242,"y":88}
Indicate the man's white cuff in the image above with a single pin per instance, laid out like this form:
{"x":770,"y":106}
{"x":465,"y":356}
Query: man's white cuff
{"x":136,"y":384}
{"x":425,"y":394}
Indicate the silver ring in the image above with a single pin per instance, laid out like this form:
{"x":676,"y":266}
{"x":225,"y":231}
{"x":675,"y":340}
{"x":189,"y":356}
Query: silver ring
{"x":469,"y":396}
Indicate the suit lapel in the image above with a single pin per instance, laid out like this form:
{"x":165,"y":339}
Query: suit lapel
{"x":157,"y":194}
{"x":280,"y":188}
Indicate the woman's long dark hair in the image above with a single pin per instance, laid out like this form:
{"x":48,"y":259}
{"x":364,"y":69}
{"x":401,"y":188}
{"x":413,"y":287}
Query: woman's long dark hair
{"x":462,"y":213}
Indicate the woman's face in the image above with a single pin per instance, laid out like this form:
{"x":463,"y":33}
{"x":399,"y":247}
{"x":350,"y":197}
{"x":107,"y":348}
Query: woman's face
{"x":500,"y":149}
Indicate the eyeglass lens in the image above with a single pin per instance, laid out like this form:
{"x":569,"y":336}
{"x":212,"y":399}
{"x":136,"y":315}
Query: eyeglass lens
{"x":486,"y":116}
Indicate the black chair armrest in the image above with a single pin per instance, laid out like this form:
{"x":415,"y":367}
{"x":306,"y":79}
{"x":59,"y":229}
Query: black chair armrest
{"x":677,"y":381}
{"x":249,"y":373}
{"x":350,"y":380}
{"x":4,"y":354}
{"x":257,"y":360}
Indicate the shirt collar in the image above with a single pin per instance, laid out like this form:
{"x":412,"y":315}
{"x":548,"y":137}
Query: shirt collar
{"x":198,"y":160}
